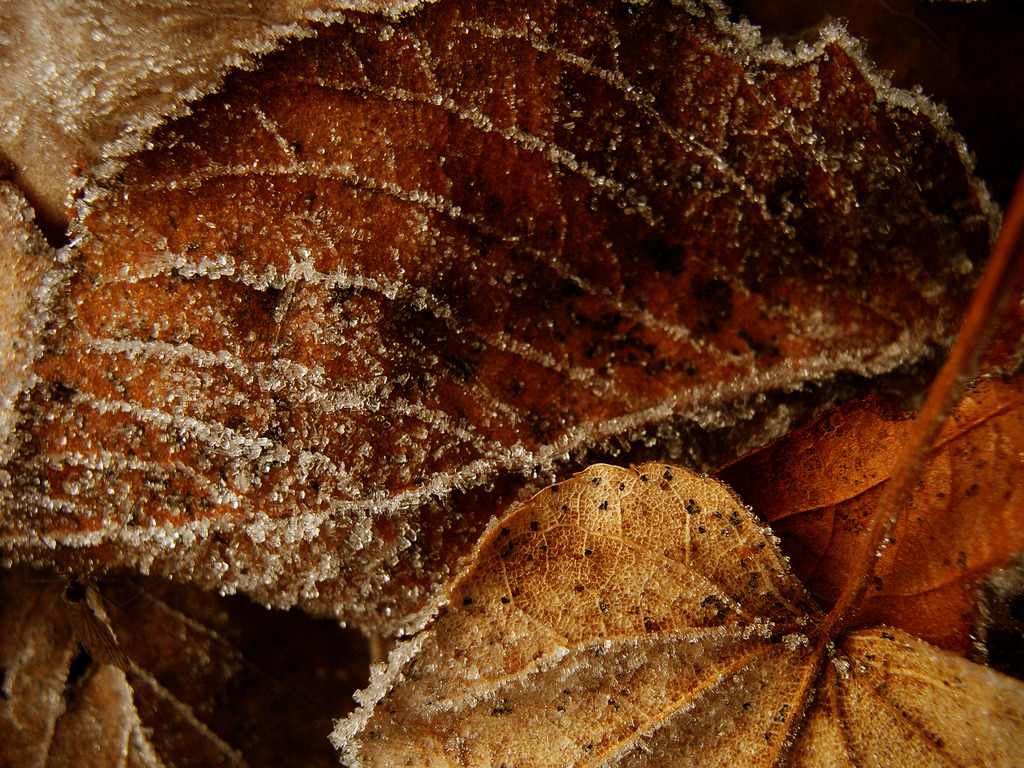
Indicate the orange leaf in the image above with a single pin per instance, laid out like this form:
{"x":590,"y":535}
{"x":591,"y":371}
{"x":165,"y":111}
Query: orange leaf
{"x":818,"y":486}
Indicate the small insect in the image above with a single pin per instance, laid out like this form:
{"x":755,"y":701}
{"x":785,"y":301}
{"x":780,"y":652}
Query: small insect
{"x":90,"y":625}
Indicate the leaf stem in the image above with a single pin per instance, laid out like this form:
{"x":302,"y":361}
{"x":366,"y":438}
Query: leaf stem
{"x":998,"y":283}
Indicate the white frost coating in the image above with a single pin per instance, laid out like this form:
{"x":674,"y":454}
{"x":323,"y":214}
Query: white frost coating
{"x":225,"y":439}
{"x":313,"y":378}
{"x":30,"y":279}
{"x":270,"y":376}
{"x":795,"y":641}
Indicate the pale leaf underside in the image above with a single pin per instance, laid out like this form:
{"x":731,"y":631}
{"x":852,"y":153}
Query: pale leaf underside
{"x":643,"y":617}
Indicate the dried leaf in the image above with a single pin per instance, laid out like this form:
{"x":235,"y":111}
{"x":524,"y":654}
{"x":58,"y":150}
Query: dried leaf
{"x":27,"y":282}
{"x":84,"y":84}
{"x":404,"y":273}
{"x":888,"y":696}
{"x":100,"y":723}
{"x":818,"y":486}
{"x":32,"y":618}
{"x":211,"y":681}
{"x":644,"y":617}
{"x":867,"y":696}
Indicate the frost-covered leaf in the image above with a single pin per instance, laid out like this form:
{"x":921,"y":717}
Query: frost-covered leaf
{"x":84,"y":83}
{"x":603,"y":611}
{"x":390,"y":283}
{"x":99,"y":722}
{"x":818,"y":486}
{"x":35,"y":652}
{"x":644,"y":617}
{"x":53,"y":712}
{"x":887,"y":698}
{"x":28,"y":276}
{"x":210,"y":681}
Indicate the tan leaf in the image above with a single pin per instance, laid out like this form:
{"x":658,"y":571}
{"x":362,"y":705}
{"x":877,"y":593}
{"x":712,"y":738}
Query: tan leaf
{"x":888,"y":698}
{"x":644,"y":617}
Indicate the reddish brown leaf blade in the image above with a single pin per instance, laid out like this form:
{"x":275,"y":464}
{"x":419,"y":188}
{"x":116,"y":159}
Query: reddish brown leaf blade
{"x":819,"y":486}
{"x":410,"y":260}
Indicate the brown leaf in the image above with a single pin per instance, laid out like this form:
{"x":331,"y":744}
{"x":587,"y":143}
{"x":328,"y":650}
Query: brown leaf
{"x":99,"y":726}
{"x":210,"y":681}
{"x":32,"y":682}
{"x":818,"y":486}
{"x":644,"y":617}
{"x":396,"y":279}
